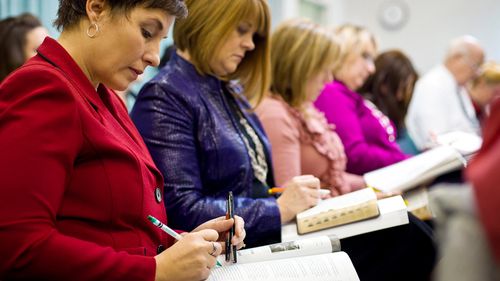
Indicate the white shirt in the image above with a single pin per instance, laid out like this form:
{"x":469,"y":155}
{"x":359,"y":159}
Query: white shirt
{"x":439,"y":105}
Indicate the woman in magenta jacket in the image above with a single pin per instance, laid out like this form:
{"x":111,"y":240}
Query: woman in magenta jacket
{"x":369,"y":137}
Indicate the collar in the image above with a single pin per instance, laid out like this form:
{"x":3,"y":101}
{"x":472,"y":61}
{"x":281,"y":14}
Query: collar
{"x":55,"y":54}
{"x":190,"y":70}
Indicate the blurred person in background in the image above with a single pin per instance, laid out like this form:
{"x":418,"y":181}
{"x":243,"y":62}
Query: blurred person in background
{"x":20,"y":36}
{"x":303,"y":57}
{"x":368,"y":135}
{"x":390,"y":89}
{"x":467,"y":224}
{"x":485,"y":87}
{"x":440,"y":102}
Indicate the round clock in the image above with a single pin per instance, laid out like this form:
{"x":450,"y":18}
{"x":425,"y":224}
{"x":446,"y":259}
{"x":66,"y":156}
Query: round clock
{"x":393,"y":14}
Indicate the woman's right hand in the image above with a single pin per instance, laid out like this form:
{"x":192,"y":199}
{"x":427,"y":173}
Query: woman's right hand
{"x":300,"y":193}
{"x":190,"y":258}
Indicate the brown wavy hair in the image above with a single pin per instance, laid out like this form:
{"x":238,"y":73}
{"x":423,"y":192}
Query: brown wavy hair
{"x":300,"y":49}
{"x":13,"y":31}
{"x":394,"y":74}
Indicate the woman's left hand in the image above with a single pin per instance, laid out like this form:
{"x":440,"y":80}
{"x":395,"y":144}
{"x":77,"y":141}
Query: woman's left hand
{"x":222,"y":225}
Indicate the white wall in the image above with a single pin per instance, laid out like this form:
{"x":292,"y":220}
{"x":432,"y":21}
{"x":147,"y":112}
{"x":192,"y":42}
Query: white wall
{"x":430,"y":26}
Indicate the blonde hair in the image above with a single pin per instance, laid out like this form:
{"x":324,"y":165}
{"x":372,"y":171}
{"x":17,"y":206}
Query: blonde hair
{"x":209,"y":25}
{"x":352,"y":39}
{"x":489,"y":73}
{"x":300,"y":49}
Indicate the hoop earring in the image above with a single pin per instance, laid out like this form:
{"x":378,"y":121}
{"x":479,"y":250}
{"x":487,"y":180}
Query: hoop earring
{"x":92,"y":26}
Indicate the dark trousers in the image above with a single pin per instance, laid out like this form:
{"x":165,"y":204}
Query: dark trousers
{"x":405,"y":253}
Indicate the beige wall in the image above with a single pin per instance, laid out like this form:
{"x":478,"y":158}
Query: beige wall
{"x":430,"y":26}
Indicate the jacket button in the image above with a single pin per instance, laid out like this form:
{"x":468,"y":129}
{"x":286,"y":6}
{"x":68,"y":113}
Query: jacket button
{"x":160,"y":249}
{"x":158,"y":195}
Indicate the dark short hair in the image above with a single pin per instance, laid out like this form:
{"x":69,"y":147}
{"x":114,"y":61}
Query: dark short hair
{"x":13,"y":31}
{"x":71,"y":11}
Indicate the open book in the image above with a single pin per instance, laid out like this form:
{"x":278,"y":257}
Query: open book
{"x":347,"y":208}
{"x":317,"y":258}
{"x":464,"y":142}
{"x":416,"y":170}
{"x":417,"y":202}
{"x":392,"y":212}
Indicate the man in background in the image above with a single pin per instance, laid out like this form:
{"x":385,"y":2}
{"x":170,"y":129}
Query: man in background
{"x":440,"y":102}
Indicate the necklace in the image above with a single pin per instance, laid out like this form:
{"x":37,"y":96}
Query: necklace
{"x":258,"y":160}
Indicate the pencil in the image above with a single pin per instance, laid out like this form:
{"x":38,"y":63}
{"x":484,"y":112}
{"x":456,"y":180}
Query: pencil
{"x":278,"y":190}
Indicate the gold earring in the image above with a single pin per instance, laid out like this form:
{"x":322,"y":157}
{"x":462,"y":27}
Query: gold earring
{"x":92,"y":26}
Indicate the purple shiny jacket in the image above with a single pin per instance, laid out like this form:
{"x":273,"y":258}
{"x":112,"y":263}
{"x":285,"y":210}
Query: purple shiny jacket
{"x":192,"y":134}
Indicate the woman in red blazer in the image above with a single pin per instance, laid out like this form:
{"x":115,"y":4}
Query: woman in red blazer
{"x":76,"y":180}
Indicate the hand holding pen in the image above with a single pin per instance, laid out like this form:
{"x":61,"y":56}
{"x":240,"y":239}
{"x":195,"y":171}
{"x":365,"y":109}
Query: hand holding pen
{"x":299,"y":193}
{"x":222,"y":226}
{"x":191,"y":258}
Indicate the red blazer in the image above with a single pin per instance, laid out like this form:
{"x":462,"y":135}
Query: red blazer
{"x":76,"y":179}
{"x":484,"y":173}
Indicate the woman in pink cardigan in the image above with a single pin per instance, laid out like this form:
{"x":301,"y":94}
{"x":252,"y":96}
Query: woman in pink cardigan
{"x":303,"y":57}
{"x":302,"y":140}
{"x":369,"y":137}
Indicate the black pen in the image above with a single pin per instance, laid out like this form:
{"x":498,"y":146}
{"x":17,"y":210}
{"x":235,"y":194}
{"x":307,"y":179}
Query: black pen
{"x":230,"y":251}
{"x":233,"y":229}
{"x":228,"y":238}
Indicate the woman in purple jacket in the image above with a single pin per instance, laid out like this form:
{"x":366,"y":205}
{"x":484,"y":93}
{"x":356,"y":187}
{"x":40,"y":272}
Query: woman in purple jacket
{"x":200,"y":128}
{"x":369,"y":137}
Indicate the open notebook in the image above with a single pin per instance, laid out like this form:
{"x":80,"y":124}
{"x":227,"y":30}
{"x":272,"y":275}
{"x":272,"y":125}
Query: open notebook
{"x":416,"y":170}
{"x":314,"y":259}
{"x":465,"y":143}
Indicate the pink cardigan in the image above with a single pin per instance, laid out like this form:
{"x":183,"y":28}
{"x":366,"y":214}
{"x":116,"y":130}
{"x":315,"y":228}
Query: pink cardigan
{"x":303,"y":143}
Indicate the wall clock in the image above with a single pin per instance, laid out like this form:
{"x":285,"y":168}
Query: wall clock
{"x":393,"y":14}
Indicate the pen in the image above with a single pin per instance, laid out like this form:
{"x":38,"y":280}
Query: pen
{"x":277,"y":190}
{"x":228,"y":234}
{"x":230,"y":250}
{"x":231,"y":214}
{"x":168,"y":230}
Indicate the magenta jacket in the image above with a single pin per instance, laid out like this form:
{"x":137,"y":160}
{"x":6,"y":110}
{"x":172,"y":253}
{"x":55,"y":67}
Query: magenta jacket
{"x":367,"y":134}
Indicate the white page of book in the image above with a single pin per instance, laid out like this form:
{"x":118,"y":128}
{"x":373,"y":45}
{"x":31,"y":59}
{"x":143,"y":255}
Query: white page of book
{"x":325,"y":267}
{"x":393,"y":212}
{"x":339,"y":202}
{"x":403,"y":175}
{"x":466,"y":143}
{"x":304,"y":247}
